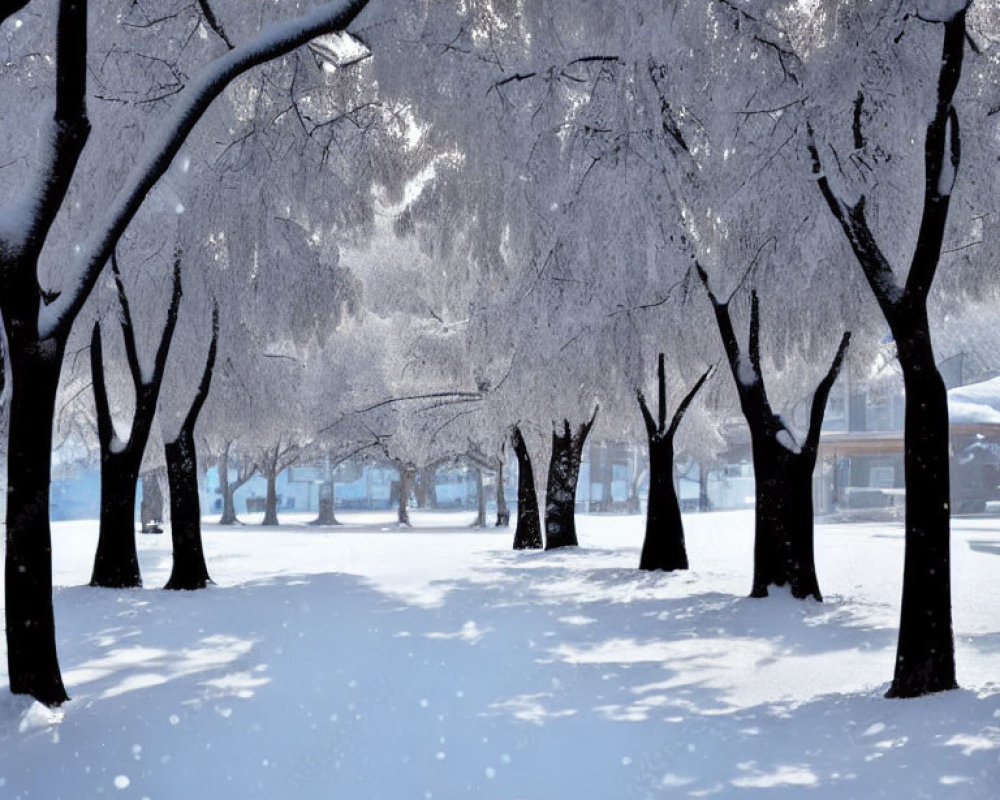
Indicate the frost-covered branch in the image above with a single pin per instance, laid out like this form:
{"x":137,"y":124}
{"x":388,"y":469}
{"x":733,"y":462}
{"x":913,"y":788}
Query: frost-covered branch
{"x":852,"y":219}
{"x":822,"y":395}
{"x":206,"y":377}
{"x":688,"y":398}
{"x":942,"y":153}
{"x":192,"y":103}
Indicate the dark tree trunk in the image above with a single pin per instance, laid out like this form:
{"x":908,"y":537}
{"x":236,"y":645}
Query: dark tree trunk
{"x":783,"y":548}
{"x":189,"y":570}
{"x":271,"y":498}
{"x":560,"y":493}
{"x":405,"y":482}
{"x":663,"y":547}
{"x":151,"y":507}
{"x":783,"y":531}
{"x":925,"y":651}
{"x":226,"y":490}
{"x":528,"y":534}
{"x":32,"y":663}
{"x":116,"y":563}
{"x":480,"y":499}
{"x":503,"y":512}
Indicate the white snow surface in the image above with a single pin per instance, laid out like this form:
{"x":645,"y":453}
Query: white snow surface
{"x":368,"y":662}
{"x":975,"y":403}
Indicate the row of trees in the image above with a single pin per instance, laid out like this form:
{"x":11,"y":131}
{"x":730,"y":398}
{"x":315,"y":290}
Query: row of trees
{"x":471,"y":219}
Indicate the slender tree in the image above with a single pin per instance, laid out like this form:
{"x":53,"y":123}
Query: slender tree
{"x":189,"y":569}
{"x":116,"y":563}
{"x":925,"y":653}
{"x":560,"y":493}
{"x":272,"y":462}
{"x":663,"y":546}
{"x":245,"y":468}
{"x":37,"y":321}
{"x":528,"y":533}
{"x":783,"y":468}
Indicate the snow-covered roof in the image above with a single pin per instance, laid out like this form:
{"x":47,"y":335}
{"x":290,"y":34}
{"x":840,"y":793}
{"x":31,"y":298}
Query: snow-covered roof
{"x":977,"y":403}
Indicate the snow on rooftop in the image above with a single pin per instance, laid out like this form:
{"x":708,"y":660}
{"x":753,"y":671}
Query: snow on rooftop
{"x":977,"y":403}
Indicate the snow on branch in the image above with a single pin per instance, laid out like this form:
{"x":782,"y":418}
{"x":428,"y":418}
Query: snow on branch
{"x":271,"y":43}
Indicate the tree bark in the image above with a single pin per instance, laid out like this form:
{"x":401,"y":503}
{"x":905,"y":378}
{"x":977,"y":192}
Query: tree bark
{"x":32,"y":663}
{"x":528,"y":533}
{"x":271,"y":498}
{"x":189,"y":570}
{"x":327,"y":506}
{"x":480,"y":499}
{"x":503,"y":512}
{"x":116,"y":563}
{"x":663,"y":547}
{"x":228,"y":505}
{"x":560,"y":493}
{"x":406,"y":473}
{"x":151,"y":507}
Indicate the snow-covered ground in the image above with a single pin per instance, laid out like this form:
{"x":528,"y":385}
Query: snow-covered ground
{"x":368,"y":662}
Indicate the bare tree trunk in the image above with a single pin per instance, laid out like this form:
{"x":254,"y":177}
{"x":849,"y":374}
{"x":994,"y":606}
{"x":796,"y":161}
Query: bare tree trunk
{"x":406,"y":473}
{"x":116,"y":562}
{"x":32,"y":663}
{"x":560,"y":494}
{"x":271,"y":499}
{"x":228,"y":505}
{"x":327,"y":506}
{"x":528,"y":534}
{"x":480,"y":499}
{"x":189,"y":569}
{"x":151,"y":507}
{"x":503,"y":512}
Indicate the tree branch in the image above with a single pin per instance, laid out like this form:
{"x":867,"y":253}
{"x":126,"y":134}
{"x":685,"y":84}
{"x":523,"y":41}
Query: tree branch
{"x":105,"y":427}
{"x":683,"y":407}
{"x":160,"y":362}
{"x":822,"y":395}
{"x":128,"y":329}
{"x":271,"y":43}
{"x":942,"y":154}
{"x":206,"y":378}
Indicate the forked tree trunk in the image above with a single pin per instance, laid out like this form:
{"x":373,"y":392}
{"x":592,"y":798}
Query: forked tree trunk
{"x":560,"y":493}
{"x":528,"y":533}
{"x":925,"y":651}
{"x":189,"y":569}
{"x":783,"y":529}
{"x":503,"y":512}
{"x":663,"y":547}
{"x":116,"y":563}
